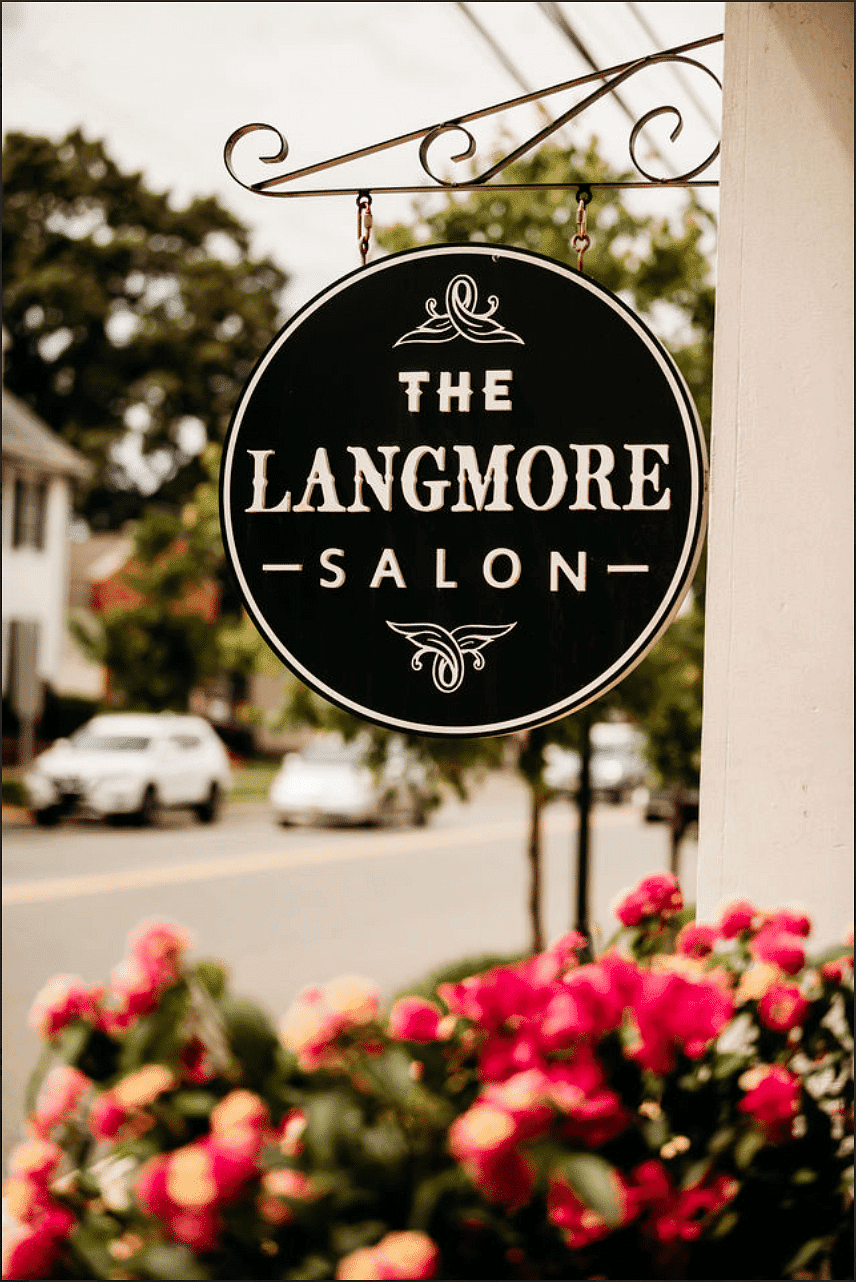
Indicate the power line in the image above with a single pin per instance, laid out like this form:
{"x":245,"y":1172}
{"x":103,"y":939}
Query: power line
{"x":554,"y":14}
{"x":676,"y":71}
{"x":501,"y":56}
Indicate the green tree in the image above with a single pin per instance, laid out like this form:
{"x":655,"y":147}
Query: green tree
{"x":133,"y":324}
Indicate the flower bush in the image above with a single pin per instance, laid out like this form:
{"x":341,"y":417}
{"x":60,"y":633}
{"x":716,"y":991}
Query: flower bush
{"x":681,"y":1106}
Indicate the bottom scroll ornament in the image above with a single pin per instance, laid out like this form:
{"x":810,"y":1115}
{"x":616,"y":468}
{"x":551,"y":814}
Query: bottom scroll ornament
{"x":450,"y":648}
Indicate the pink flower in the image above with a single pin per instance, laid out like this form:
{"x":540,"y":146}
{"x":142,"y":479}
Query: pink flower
{"x":35,"y":1160}
{"x":150,"y":1187}
{"x":695,"y":941}
{"x":241,"y":1118}
{"x":29,"y":1252}
{"x":772,"y":944}
{"x":791,"y":922}
{"x":278,"y":1185}
{"x":112,"y":1110}
{"x":589,"y":1002}
{"x":414,"y":1020}
{"x":319,"y":1015}
{"x":839,"y":971}
{"x":108,"y":1116}
{"x":197,"y":1229}
{"x":782,"y":1008}
{"x":193,"y":1058}
{"x":137,"y":984}
{"x":484,"y":1130}
{"x":683,"y":1216}
{"x":160,"y":944}
{"x":655,"y":896}
{"x":524,"y":1097}
{"x":737,"y":918}
{"x":772,"y":1099}
{"x":675,"y":1013}
{"x":508,"y":1178}
{"x":289,"y":1134}
{"x":64,"y":999}
{"x":406,"y":1254}
{"x":57,"y":1099}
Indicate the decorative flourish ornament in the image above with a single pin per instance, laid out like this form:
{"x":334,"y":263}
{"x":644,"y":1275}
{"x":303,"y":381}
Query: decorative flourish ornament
{"x":460,"y":319}
{"x":450,"y":648}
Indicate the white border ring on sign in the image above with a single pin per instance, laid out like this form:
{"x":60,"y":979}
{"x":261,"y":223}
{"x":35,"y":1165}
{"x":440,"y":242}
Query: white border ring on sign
{"x":681,"y":579}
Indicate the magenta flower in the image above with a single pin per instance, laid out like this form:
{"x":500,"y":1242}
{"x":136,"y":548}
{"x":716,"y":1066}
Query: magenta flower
{"x":413,"y":1019}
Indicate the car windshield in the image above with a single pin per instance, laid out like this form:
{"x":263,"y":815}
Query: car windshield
{"x":91,"y":741}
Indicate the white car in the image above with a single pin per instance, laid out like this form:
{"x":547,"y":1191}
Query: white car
{"x":328,"y":783}
{"x":131,"y":764}
{"x":617,"y":764}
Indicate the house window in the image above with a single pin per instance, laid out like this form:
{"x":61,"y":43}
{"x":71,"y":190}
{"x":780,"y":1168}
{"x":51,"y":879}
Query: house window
{"x":29,"y":513}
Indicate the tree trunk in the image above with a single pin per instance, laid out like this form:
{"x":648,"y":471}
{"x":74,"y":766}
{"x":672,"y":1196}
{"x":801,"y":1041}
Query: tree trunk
{"x":677,"y":828}
{"x":584,"y":801}
{"x":536,"y":806}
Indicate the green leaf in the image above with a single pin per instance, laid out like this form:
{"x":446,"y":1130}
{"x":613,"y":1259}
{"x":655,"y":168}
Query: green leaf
{"x":212,"y":976}
{"x":350,"y":1237}
{"x":193,"y":1103}
{"x":595,"y":1182}
{"x":38,"y":1075}
{"x":748,"y":1146}
{"x":172,"y":1263}
{"x":806,"y":1254}
{"x":695,"y":1172}
{"x":390,"y":1073}
{"x":72,"y":1041}
{"x":91,"y":1248}
{"x":311,"y":1269}
{"x":320,"y":1137}
{"x":428,"y":1194}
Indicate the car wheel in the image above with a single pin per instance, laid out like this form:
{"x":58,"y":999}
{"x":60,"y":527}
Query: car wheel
{"x":149,"y":811}
{"x":48,"y":816}
{"x":209,"y":811}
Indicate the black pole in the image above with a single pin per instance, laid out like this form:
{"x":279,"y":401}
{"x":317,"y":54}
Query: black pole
{"x":581,"y":922}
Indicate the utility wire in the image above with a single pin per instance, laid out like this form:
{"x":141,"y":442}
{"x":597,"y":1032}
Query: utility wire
{"x":501,"y":56}
{"x":676,"y":71}
{"x":555,"y":15}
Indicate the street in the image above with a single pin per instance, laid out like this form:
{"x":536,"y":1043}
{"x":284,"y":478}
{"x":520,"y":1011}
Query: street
{"x":286,"y":907}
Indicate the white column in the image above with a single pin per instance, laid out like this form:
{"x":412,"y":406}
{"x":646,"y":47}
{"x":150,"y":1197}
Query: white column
{"x":776,"y":821}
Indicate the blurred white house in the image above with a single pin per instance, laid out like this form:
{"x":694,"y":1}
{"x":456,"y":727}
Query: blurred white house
{"x":39,"y":472}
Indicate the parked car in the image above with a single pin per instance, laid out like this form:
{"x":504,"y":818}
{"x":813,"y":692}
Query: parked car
{"x":329,"y":783}
{"x":617,"y":764}
{"x":666,"y":805}
{"x":131,"y":764}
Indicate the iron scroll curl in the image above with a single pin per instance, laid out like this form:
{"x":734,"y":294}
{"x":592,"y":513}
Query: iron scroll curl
{"x":610,"y":80}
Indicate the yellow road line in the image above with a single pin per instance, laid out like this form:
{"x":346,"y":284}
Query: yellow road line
{"x":382,"y":844}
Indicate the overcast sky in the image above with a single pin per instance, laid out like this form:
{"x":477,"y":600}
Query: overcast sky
{"x":164,"y":85}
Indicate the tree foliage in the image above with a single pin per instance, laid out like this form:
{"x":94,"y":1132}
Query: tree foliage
{"x":133,"y":324}
{"x":159,"y":648}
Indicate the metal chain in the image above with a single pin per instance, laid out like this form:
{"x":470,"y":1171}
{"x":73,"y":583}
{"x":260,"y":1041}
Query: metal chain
{"x":581,"y":240}
{"x":364,"y":223}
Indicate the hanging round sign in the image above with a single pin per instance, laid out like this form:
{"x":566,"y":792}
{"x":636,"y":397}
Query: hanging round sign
{"x":463,"y":491}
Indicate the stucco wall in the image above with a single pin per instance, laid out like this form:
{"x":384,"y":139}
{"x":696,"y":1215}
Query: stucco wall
{"x":776,"y":820}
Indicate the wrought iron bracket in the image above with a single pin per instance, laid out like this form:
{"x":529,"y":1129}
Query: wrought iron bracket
{"x":611,"y":77}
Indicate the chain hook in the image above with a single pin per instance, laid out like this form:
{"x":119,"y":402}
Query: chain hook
{"x":581,"y":240}
{"x":364,"y":223}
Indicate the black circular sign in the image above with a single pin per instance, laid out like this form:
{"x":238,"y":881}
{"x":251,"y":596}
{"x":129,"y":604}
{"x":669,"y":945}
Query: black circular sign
{"x":463,"y":491}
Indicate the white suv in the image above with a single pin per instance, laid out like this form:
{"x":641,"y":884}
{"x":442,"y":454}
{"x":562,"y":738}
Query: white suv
{"x":131,"y":764}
